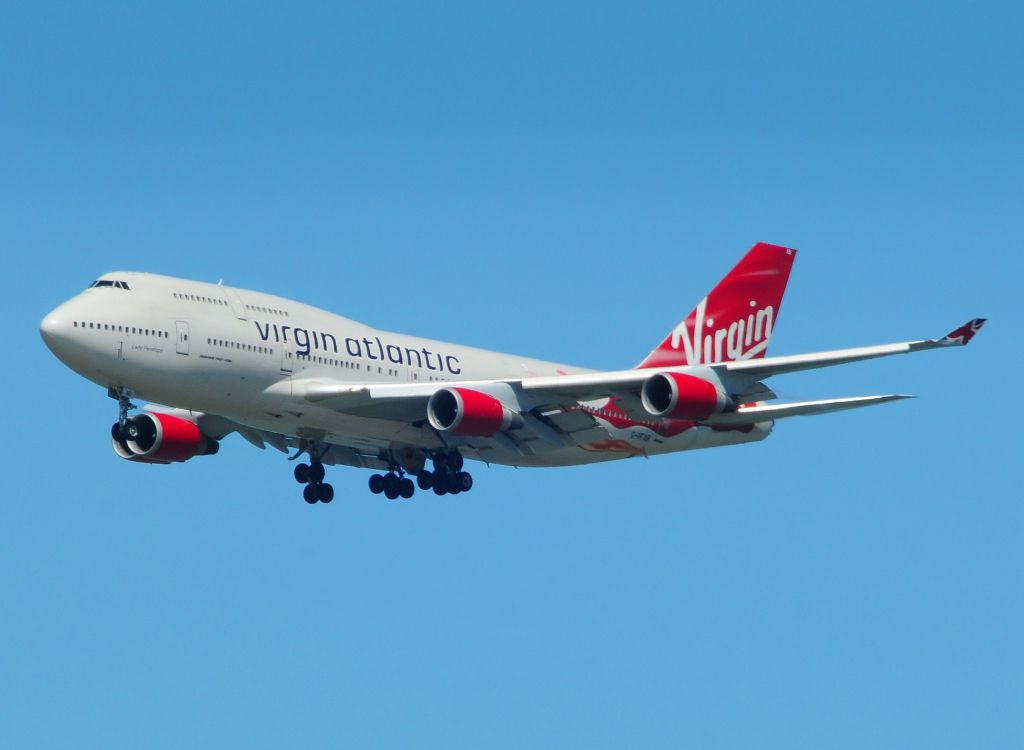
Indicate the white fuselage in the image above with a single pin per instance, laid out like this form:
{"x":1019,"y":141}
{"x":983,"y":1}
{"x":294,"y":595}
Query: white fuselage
{"x":239,"y":354}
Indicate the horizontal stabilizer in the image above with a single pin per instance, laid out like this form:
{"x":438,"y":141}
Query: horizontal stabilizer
{"x":763,"y":413}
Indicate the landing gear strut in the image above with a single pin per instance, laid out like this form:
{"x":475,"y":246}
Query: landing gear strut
{"x":120,"y":429}
{"x":312,"y":475}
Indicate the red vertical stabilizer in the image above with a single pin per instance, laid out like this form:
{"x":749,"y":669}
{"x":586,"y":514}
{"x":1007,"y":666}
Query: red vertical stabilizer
{"x":736,"y":319}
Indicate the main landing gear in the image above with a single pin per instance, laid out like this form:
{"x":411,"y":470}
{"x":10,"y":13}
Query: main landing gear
{"x":447,"y":478}
{"x":393,"y":485}
{"x":312,"y":475}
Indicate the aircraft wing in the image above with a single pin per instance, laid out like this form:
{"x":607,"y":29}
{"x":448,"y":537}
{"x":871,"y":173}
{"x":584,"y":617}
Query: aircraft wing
{"x":763,"y":368}
{"x":541,"y":397}
{"x":597,"y":385}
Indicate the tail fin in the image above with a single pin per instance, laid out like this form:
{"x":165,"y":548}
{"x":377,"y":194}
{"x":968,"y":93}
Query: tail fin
{"x":736,"y":319}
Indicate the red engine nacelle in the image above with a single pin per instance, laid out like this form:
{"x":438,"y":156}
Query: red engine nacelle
{"x":157,"y":438}
{"x":461,"y":411}
{"x":672,"y":394}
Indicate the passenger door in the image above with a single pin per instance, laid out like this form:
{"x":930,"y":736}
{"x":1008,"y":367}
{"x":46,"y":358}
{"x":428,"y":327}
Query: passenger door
{"x":182,"y":336}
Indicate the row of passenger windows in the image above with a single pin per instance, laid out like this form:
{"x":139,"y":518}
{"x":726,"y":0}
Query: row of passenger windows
{"x":267,"y":310}
{"x":238,"y":345}
{"x":200,"y":298}
{"x":213,"y":301}
{"x":121,"y":329}
{"x":348,"y":364}
{"x":330,"y":361}
{"x":390,"y":372}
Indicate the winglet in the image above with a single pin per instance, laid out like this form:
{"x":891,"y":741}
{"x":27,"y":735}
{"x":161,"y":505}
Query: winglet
{"x":962,"y":335}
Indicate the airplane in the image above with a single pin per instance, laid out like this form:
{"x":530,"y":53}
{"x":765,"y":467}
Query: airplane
{"x":216,"y":360}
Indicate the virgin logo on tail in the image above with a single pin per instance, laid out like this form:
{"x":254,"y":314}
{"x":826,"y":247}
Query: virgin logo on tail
{"x":735,"y":319}
{"x":742,"y":339}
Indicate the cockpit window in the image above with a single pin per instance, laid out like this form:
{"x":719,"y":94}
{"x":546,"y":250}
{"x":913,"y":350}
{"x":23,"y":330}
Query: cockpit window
{"x":109,"y":282}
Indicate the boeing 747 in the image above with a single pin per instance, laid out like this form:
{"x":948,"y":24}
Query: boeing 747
{"x":216,"y":360}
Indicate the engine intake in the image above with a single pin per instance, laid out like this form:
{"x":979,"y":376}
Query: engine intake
{"x":679,"y":396}
{"x":151,"y":437}
{"x":462,"y":411}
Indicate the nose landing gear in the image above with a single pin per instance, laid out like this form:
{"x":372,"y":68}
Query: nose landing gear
{"x":122,"y":429}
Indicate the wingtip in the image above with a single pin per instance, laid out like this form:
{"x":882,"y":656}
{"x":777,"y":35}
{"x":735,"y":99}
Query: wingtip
{"x":961,"y":336}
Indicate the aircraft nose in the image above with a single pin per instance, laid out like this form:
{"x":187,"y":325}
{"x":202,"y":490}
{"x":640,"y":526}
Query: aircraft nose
{"x":54,"y":328}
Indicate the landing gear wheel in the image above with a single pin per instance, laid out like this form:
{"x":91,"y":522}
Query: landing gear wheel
{"x":439,"y":489}
{"x":118,"y":434}
{"x":309,"y":493}
{"x":406,"y":488}
{"x":390,"y":486}
{"x":376,"y":484}
{"x":464,"y":480}
{"x":452,"y":483}
{"x":302,"y":473}
{"x":316,"y":472}
{"x":455,"y":461}
{"x":425,"y":480}
{"x":325,"y":493}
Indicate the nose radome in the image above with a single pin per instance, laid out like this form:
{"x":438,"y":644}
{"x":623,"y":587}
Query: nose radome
{"x":54,"y":328}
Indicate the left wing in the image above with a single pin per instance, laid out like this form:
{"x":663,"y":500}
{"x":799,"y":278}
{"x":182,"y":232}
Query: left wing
{"x":740,"y":377}
{"x":777,"y":365}
{"x":537,"y":397}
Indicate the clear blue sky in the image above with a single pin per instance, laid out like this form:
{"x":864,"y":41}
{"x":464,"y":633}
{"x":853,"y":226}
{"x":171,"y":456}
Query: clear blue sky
{"x":563,"y":181}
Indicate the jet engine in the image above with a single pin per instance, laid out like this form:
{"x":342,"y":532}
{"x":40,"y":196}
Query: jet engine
{"x":151,"y":437}
{"x":679,"y":396}
{"x":462,"y":411}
